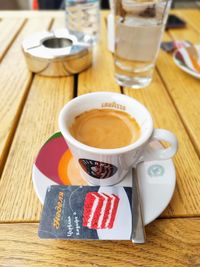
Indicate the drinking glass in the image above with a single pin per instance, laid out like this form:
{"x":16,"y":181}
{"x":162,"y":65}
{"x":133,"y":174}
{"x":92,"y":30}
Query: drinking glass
{"x":139,"y":25}
{"x":83,"y":16}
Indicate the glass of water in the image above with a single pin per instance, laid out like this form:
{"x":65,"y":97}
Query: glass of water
{"x":139,"y":25}
{"x":83,"y":16}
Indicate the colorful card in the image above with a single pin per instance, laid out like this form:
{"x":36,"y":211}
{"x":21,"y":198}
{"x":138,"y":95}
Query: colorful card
{"x":87,"y":212}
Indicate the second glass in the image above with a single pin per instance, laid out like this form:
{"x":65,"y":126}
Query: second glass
{"x":139,"y":27}
{"x":83,"y":16}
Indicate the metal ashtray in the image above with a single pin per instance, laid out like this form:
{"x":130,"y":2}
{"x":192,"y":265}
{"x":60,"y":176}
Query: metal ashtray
{"x":57,"y":53}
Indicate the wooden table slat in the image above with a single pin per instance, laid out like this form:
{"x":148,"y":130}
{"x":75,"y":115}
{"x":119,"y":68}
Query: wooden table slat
{"x":192,"y":17}
{"x":183,"y":88}
{"x":31,"y":107}
{"x":186,"y":199}
{"x":100,"y":77}
{"x":171,"y":242}
{"x":9,"y":28}
{"x":39,"y":14}
{"x":47,"y":96}
{"x":15,"y":80}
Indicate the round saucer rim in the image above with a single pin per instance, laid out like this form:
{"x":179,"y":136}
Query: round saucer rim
{"x":172,"y":192}
{"x":140,"y":166}
{"x":35,"y":186}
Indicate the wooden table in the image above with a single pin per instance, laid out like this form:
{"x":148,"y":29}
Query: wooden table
{"x":29,"y":107}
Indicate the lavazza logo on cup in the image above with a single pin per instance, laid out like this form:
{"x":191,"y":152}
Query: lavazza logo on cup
{"x":109,"y":166}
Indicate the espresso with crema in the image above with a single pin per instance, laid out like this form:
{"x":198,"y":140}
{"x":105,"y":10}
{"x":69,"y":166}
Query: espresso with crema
{"x":105,"y":128}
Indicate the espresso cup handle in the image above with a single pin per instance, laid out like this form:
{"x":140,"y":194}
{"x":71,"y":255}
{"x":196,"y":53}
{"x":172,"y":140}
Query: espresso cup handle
{"x":151,"y":153}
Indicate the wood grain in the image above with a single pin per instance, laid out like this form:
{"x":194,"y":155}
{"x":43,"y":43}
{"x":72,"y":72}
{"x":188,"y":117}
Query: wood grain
{"x":59,"y":22}
{"x":9,"y":28}
{"x":183,"y":88}
{"x":186,"y":199}
{"x":188,"y":33}
{"x":30,"y":14}
{"x":15,"y":80}
{"x":38,"y":121}
{"x":170,"y":242}
{"x":101,"y":76}
{"x":173,"y":242}
{"x":48,"y":101}
{"x":191,"y":16}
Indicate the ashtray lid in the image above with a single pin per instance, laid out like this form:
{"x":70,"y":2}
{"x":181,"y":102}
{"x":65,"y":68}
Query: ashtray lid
{"x":57,"y":53}
{"x":56,"y":44}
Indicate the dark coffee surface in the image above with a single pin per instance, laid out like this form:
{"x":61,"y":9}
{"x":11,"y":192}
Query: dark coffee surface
{"x":105,"y":128}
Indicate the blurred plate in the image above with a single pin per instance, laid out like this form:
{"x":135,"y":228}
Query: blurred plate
{"x":188,"y":59}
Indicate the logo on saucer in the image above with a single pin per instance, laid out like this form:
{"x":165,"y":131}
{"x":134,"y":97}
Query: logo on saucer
{"x":97,"y":169}
{"x":156,"y":170}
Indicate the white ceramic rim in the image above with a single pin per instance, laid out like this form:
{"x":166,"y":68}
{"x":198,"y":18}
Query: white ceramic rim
{"x":69,"y":138}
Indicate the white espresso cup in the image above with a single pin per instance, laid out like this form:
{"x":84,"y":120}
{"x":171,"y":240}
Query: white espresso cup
{"x":109,"y":166}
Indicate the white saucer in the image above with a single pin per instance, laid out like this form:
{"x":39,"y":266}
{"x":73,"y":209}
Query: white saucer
{"x":55,"y":165}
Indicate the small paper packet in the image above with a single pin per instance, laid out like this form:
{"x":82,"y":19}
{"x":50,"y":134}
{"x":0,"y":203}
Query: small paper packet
{"x":87,"y":212}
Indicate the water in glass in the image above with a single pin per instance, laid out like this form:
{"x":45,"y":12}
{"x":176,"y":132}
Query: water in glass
{"x":139,"y":26}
